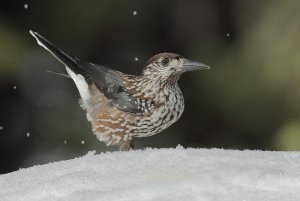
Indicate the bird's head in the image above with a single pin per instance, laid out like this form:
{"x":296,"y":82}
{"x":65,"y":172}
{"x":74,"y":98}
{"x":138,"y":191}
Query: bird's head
{"x":169,"y":66}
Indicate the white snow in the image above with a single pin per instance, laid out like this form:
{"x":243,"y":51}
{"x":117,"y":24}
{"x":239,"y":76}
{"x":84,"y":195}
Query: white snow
{"x":25,"y":6}
{"x":136,"y":59}
{"x":82,"y":142}
{"x":14,"y":87}
{"x":161,"y":175}
{"x":228,"y":34}
{"x":1,"y":128}
{"x":27,"y":134}
{"x":134,"y":12}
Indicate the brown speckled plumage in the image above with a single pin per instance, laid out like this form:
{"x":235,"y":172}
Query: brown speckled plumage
{"x":122,"y":107}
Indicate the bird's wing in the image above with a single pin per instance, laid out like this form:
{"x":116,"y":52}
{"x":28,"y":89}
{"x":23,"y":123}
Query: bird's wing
{"x":108,"y":81}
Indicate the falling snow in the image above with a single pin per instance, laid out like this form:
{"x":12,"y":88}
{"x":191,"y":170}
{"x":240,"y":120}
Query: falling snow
{"x":26,"y":6}
{"x":27,"y":134}
{"x":136,"y":59}
{"x":228,"y":34}
{"x":82,"y":142}
{"x":14,"y":87}
{"x":1,"y":128}
{"x":134,"y":12}
{"x":65,"y":141}
{"x":161,"y":174}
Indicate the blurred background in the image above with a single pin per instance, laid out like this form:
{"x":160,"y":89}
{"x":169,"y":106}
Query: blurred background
{"x":250,"y":99}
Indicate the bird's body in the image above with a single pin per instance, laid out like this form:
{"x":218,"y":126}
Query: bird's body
{"x":122,"y":107}
{"x":115,"y":126}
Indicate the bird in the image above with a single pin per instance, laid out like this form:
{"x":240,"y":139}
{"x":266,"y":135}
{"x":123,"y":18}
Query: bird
{"x":123,"y":107}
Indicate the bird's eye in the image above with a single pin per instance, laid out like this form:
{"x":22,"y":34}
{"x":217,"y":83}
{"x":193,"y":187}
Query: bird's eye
{"x":165,"y":61}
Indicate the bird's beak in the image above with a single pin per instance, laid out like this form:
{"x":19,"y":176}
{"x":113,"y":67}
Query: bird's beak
{"x":189,"y":65}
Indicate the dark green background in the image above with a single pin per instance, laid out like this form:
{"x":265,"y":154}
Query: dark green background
{"x":250,"y":99}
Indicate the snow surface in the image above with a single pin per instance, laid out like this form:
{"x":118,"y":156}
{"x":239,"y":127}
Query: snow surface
{"x":160,"y":174}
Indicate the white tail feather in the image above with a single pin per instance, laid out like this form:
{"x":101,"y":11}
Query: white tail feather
{"x":81,"y":85}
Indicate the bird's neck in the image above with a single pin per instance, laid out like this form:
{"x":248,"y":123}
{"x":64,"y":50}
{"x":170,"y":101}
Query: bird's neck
{"x":159,"y":87}
{"x":160,"y":81}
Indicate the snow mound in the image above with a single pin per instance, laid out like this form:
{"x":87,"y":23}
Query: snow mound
{"x":160,"y":174}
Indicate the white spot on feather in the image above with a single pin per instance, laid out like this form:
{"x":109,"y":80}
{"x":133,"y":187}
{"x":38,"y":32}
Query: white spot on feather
{"x":125,"y":138}
{"x":37,"y":40}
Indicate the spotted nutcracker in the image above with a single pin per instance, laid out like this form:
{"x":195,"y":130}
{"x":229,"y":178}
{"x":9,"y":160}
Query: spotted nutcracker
{"x":122,"y":107}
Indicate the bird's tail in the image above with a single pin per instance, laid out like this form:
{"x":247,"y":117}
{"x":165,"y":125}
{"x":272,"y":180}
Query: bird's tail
{"x":72,"y":66}
{"x":64,"y":58}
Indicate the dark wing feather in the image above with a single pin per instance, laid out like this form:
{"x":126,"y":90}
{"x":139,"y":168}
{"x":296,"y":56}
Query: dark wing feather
{"x":108,"y":81}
